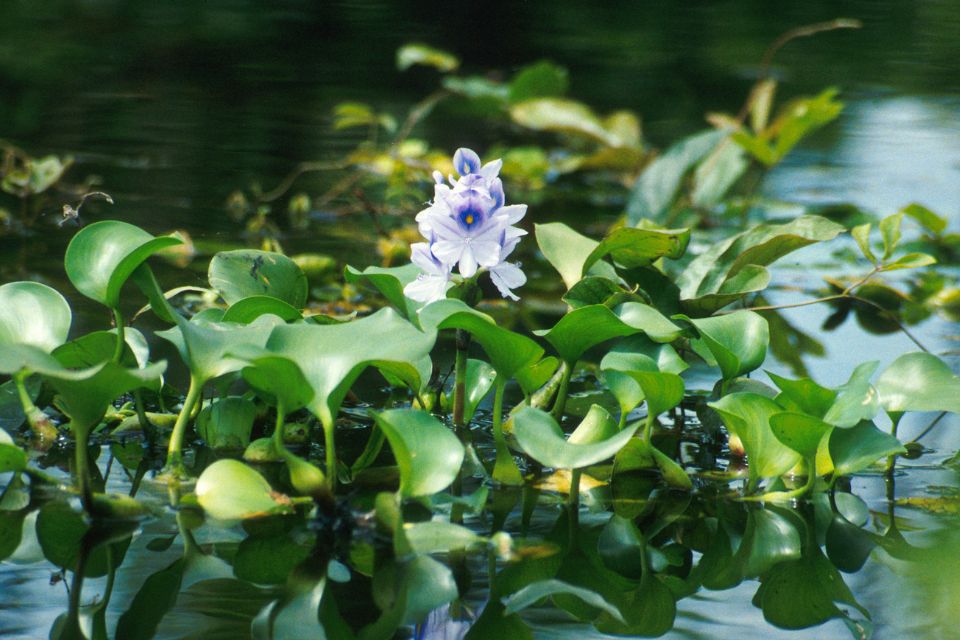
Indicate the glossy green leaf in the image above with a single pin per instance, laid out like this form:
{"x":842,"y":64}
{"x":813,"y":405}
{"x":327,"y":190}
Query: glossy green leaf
{"x":539,"y":435}
{"x":534,"y":376}
{"x":206,"y":346}
{"x":748,"y":416}
{"x":649,"y":611}
{"x":587,"y":327}
{"x":663,"y":391}
{"x":86,"y":394}
{"x":242,"y":273}
{"x":800,"y":432}
{"x":630,"y":247}
{"x":567,"y":250}
{"x":803,"y":395}
{"x":389,"y":281}
{"x":640,"y":353}
{"x":857,"y":448}
{"x":640,"y":454}
{"x":537,"y":591}
{"x":802,"y":593}
{"x":759,"y":246}
{"x":227,"y":423}
{"x":102,"y":256}
{"x":919,"y":382}
{"x":331,"y":357}
{"x":64,"y":532}
{"x":621,"y":547}
{"x":509,"y":352}
{"x":910,"y":261}
{"x":427,"y":452}
{"x":99,"y":346}
{"x":738,"y":341}
{"x":230,"y":490}
{"x":249,"y":309}
{"x":420,"y":54}
{"x":857,"y":400}
{"x":479,"y":382}
{"x":278,"y":377}
{"x":33,"y":314}
{"x":656,"y":188}
{"x":769,"y":539}
{"x":153,"y":600}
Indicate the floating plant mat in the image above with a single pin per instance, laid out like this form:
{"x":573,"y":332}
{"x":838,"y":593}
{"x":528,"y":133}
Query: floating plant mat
{"x":427,"y":457}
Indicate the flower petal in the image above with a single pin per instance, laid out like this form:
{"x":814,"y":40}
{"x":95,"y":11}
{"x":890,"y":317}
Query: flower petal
{"x":512,"y":213}
{"x":492,"y":169}
{"x":507,"y":276}
{"x":466,"y":161}
{"x":427,"y":288}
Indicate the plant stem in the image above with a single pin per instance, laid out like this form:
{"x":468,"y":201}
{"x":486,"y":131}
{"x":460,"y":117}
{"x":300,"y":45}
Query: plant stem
{"x":39,"y":422}
{"x":561,"y":402}
{"x":278,"y":447}
{"x":330,"y":452}
{"x":460,"y":380}
{"x":573,"y":505}
{"x":121,"y":338}
{"x":648,"y":426}
{"x":145,"y":424}
{"x":175,"y":449}
{"x":81,"y":469}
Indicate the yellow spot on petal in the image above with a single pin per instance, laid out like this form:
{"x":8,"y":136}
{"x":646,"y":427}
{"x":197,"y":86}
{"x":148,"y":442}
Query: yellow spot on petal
{"x":469,"y":219}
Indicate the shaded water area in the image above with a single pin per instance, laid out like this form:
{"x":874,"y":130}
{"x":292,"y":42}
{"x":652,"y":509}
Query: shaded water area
{"x":174,"y":106}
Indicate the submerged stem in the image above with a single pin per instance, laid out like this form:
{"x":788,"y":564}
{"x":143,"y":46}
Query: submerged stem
{"x":175,"y":449}
{"x":81,"y":469}
{"x":39,"y":423}
{"x":278,"y":446}
{"x":330,"y":452}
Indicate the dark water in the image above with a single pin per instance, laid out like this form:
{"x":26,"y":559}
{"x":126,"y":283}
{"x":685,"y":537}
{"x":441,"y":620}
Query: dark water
{"x":176,"y":104}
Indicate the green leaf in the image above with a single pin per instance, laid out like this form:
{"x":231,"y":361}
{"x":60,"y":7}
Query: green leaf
{"x":249,"y":309}
{"x":34,"y":314}
{"x":509,"y":352}
{"x":331,"y":357}
{"x":268,"y":559}
{"x":640,"y":454}
{"x":537,"y":591}
{"x":428,"y":454}
{"x":861,"y":234}
{"x":102,"y":256}
{"x":592,"y":290}
{"x":738,"y":341}
{"x":12,"y":458}
{"x":153,"y":600}
{"x":389,"y":281}
{"x":227,"y":423}
{"x":800,"y":432}
{"x":649,"y":611}
{"x":760,"y":246}
{"x":856,"y":400}
{"x":421,"y":54}
{"x":239,"y":274}
{"x":63,"y":533}
{"x":437,"y":536}
{"x":769,"y":539}
{"x":586,"y":327}
{"x":890,"y":232}
{"x":803,"y":395}
{"x":927,"y":218}
{"x":910,"y":261}
{"x":230,"y":490}
{"x":278,"y":377}
{"x":492,"y":623}
{"x":919,"y":382}
{"x":621,"y":546}
{"x":479,"y":381}
{"x":656,"y":188}
{"x":857,"y":448}
{"x":565,"y":249}
{"x":561,"y":115}
{"x":539,"y":80}
{"x":630,"y":247}
{"x":534,"y":376}
{"x":539,"y":435}
{"x":748,"y":416}
{"x":714,"y":177}
{"x":206,"y":346}
{"x":802,"y":593}
{"x":86,"y":394}
{"x":98,"y":346}
{"x":663,"y":391}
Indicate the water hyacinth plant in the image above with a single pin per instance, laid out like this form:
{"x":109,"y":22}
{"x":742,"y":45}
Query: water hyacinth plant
{"x":470,"y":227}
{"x":608,"y":454}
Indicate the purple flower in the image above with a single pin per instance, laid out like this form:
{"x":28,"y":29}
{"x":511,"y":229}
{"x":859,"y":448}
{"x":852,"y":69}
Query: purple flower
{"x":433,"y":282}
{"x":469,"y":226}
